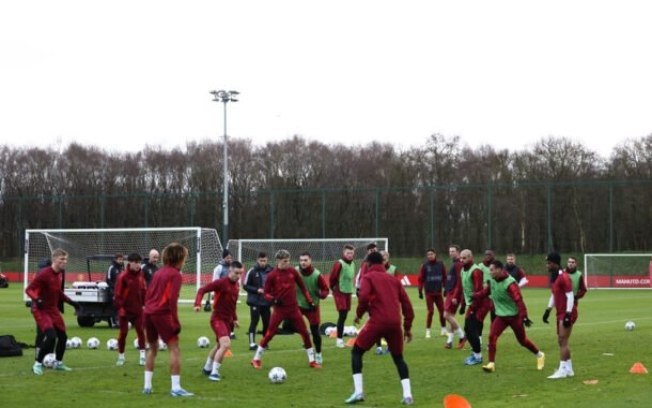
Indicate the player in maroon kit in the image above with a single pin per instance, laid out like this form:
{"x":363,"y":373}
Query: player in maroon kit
{"x":46,"y":294}
{"x":453,"y":293}
{"x":565,"y":292}
{"x":432,"y":276}
{"x":510,"y":312}
{"x":280,"y":289}
{"x":223,"y":317}
{"x":382,"y":296}
{"x":341,"y":283}
{"x":129,"y":298}
{"x":472,"y":282}
{"x":161,"y":318}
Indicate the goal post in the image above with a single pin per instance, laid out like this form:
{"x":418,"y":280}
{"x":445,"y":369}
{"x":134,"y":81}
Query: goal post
{"x":618,"y":271}
{"x":324,"y":252}
{"x":89,"y":249}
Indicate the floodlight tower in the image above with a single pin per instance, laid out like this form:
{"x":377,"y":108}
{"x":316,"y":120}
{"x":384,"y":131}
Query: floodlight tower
{"x":225,"y":97}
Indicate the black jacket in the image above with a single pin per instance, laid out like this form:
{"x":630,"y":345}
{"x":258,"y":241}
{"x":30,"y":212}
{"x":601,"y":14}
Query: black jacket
{"x":254,"y":280}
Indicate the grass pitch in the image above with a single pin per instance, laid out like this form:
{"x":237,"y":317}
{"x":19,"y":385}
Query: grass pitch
{"x":602,"y":350}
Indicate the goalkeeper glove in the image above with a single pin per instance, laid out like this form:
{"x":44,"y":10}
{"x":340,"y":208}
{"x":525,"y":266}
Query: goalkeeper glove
{"x":39,"y":303}
{"x":567,"y":320}
{"x":527,"y":322}
{"x":546,"y":315}
{"x":420,"y":295}
{"x":463,"y":309}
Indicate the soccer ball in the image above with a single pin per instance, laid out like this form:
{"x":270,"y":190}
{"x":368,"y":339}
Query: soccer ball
{"x":350,"y":331}
{"x":112,"y":344}
{"x":69,"y":344}
{"x":203,"y":342}
{"x":330,"y":330}
{"x":162,"y":345}
{"x":49,"y":359}
{"x":630,"y":325}
{"x":93,"y":343}
{"x":76,"y":342}
{"x":277,"y":375}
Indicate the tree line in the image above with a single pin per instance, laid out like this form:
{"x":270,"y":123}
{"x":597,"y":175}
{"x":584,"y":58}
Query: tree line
{"x":557,"y":194}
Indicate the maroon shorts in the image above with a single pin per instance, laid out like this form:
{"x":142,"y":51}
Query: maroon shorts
{"x":220,"y":328}
{"x":560,"y":318}
{"x":160,"y":325}
{"x":371,"y":333}
{"x":311,"y":315}
{"x":342,"y":300}
{"x":49,"y":319}
{"x":449,"y":306}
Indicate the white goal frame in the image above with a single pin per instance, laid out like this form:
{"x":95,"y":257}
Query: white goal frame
{"x":637,"y":282}
{"x":198,"y":256}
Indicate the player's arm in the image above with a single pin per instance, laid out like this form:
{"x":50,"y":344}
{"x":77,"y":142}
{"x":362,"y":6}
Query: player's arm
{"x":334,"y":277}
{"x":444,"y":275}
{"x":202,"y":291}
{"x":514,"y":292}
{"x":269,"y":290}
{"x":33,"y":290}
{"x":363,"y":297}
{"x":323,"y":287}
{"x":478,"y":283}
{"x":248,"y":285}
{"x":175,"y":288}
{"x":406,"y":309}
{"x":118,"y":300}
{"x":421,"y":279}
{"x":302,"y":286}
{"x":582,"y":289}
{"x":482,"y":293}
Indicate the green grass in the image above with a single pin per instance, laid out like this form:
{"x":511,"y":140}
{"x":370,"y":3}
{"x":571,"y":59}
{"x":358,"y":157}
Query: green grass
{"x":601,"y":348}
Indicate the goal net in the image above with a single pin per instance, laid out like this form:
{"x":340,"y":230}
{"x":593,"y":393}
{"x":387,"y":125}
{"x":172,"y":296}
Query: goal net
{"x":90,"y":251}
{"x":324,"y":252}
{"x":618,"y":271}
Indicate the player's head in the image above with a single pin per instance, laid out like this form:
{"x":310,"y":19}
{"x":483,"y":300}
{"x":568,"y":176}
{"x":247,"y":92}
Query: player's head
{"x":59,"y":259}
{"x":385,"y":255}
{"x":495,"y":268}
{"x":347,"y":252}
{"x":133,"y":261}
{"x":454,"y":251}
{"x":488,"y":256}
{"x":262,"y":259}
{"x":175,"y":255}
{"x":466,"y":256}
{"x":154,"y":256}
{"x":510,"y":260}
{"x":375,"y":258}
{"x":226,"y":256}
{"x":235,"y":271}
{"x":431,"y":254}
{"x":553,"y":260}
{"x":282,"y":259}
{"x":118,"y":258}
{"x":305,"y":260}
{"x":372,"y":247}
{"x":571,"y":264}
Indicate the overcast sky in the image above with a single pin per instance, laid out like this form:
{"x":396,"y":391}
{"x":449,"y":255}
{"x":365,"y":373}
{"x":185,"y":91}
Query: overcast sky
{"x":123,"y":74}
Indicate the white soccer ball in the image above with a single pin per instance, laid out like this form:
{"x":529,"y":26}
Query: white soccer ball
{"x":49,"y":359}
{"x":203,"y":342}
{"x":69,"y":344}
{"x":162,"y":345}
{"x":350,"y":331}
{"x":277,"y":375}
{"x":76,"y":342}
{"x":112,"y":344}
{"x":330,"y":330}
{"x":93,"y":343}
{"x":630,"y":325}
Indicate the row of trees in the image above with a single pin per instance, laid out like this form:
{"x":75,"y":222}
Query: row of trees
{"x":558,"y":193}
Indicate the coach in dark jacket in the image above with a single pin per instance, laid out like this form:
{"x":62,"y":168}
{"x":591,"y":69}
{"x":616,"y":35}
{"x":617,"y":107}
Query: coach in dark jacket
{"x":258,"y":306}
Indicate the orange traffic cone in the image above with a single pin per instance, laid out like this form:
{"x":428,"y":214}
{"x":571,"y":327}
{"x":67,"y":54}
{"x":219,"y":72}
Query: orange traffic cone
{"x":350,"y":342}
{"x":638,"y":368}
{"x":228,"y":353}
{"x":456,"y":401}
{"x":333,"y":334}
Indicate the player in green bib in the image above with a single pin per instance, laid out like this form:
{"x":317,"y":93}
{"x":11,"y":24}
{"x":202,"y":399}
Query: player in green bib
{"x":510,"y":312}
{"x":340,"y":281}
{"x":318,"y":289}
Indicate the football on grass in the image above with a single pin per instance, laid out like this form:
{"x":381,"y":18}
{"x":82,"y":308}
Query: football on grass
{"x":630,"y":325}
{"x":277,"y":375}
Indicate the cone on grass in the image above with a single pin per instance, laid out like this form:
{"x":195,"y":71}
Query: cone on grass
{"x":638,"y":368}
{"x":456,"y":401}
{"x":350,"y":342}
{"x":333,"y":334}
{"x":228,"y":353}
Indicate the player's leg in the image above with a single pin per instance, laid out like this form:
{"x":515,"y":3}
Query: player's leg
{"x":299,"y":325}
{"x":519,"y":331}
{"x":152,"y":338}
{"x":394,"y":337}
{"x":276,"y":319}
{"x":343,"y":308}
{"x":472,"y":331}
{"x":123,"y":323}
{"x":365,"y":340}
{"x":430,"y":307}
{"x":439,"y":302}
{"x":175,"y":367}
{"x":497,"y":327}
{"x":265,"y":314}
{"x":224,"y":345}
{"x":254,"y":313}
{"x":137,"y":324}
{"x":60,"y":349}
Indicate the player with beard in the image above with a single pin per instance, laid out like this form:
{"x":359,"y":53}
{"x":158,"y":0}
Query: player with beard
{"x":515,"y":271}
{"x":454,"y":297}
{"x":318,"y":289}
{"x":340,"y":281}
{"x":472,"y":282}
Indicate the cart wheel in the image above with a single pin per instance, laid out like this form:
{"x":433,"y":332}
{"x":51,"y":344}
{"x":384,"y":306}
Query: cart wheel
{"x":85,"y":321}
